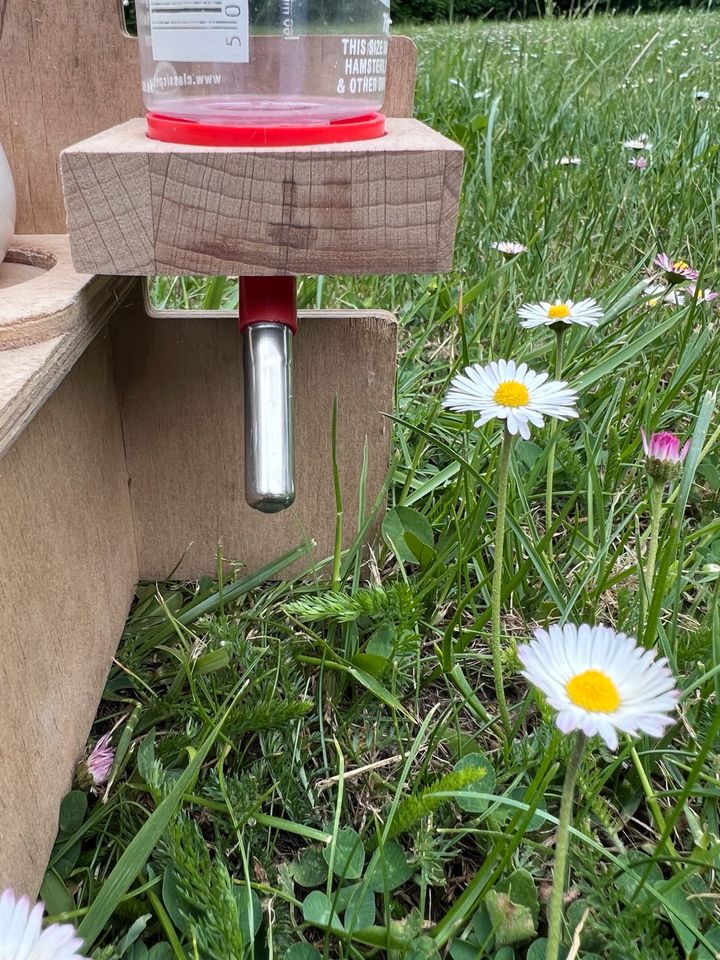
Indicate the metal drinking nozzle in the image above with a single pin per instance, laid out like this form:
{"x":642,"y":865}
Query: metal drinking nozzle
{"x":268,"y":320}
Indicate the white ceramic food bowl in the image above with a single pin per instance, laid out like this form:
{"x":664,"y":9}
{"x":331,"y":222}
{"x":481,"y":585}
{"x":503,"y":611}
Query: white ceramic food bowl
{"x":7,"y":204}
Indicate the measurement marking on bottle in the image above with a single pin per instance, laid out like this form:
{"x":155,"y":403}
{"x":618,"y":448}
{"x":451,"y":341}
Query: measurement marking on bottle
{"x":197,"y":31}
{"x":288,"y":20}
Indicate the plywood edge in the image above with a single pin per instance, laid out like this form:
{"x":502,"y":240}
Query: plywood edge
{"x":31,"y":372}
{"x":41,"y":305}
{"x":201,"y":315}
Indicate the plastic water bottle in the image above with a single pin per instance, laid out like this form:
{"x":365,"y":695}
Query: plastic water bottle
{"x":263,"y":62}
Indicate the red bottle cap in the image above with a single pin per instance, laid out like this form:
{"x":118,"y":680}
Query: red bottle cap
{"x":174,"y":130}
{"x":268,"y":300}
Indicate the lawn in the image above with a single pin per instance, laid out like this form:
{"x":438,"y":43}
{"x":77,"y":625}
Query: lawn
{"x":320,"y":767}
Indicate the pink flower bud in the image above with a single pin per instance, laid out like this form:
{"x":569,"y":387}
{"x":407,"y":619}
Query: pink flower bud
{"x":95,"y":770}
{"x":664,"y":455}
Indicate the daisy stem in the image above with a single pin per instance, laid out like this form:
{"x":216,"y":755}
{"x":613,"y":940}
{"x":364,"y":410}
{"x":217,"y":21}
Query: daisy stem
{"x":559,"y":334}
{"x":656,"y":501}
{"x":496,"y":601}
{"x":562,"y":843}
{"x":652,"y":803}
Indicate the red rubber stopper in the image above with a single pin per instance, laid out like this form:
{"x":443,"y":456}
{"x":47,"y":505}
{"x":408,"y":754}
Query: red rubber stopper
{"x":268,"y":300}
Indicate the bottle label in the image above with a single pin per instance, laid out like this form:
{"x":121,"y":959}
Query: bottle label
{"x":362,"y":66}
{"x":197,"y":31}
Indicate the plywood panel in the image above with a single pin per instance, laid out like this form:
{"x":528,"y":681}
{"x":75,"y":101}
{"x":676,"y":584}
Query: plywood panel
{"x":67,"y":72}
{"x":69,"y":567}
{"x":138,"y":206}
{"x":181,"y":394}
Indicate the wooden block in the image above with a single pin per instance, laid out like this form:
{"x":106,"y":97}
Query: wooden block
{"x":67,"y":71}
{"x":138,"y":206}
{"x":68,"y":556}
{"x":180,"y":381}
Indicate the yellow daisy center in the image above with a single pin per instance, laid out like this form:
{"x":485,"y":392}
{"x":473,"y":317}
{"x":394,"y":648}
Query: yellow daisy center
{"x":680,"y":264}
{"x":559,"y":311}
{"x":593,"y":691}
{"x":512,"y":394}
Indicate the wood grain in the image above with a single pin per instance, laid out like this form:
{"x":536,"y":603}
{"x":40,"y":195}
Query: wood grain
{"x":69,"y":569}
{"x":400,"y":80}
{"x":67,"y":72}
{"x":138,"y":206}
{"x":181,"y":396}
{"x":49,"y":297}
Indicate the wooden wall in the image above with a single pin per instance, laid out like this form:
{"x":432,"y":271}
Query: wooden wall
{"x":181,"y":395}
{"x":66,"y":71}
{"x":69,"y":568}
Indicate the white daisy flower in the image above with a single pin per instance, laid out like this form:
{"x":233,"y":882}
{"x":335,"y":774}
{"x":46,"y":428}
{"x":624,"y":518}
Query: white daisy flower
{"x":600,"y":681}
{"x":585,"y":313}
{"x":510,"y":392}
{"x":509,"y":248}
{"x":640,"y":142}
{"x":21,"y":936}
{"x":658,"y":293}
{"x":702,"y":94}
{"x":568,"y":162}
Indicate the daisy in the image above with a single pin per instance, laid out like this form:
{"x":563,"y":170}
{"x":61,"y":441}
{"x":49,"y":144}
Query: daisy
{"x":568,"y":162}
{"x":702,"y":296}
{"x":585,"y":313}
{"x":659,"y":293}
{"x":510,"y":392}
{"x":675,"y":270}
{"x":21,"y":937}
{"x":640,"y":163}
{"x":508,"y":248}
{"x":702,"y":94}
{"x":640,"y":142}
{"x":600,"y":681}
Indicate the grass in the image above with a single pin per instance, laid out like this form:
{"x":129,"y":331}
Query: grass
{"x":312,"y":767}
